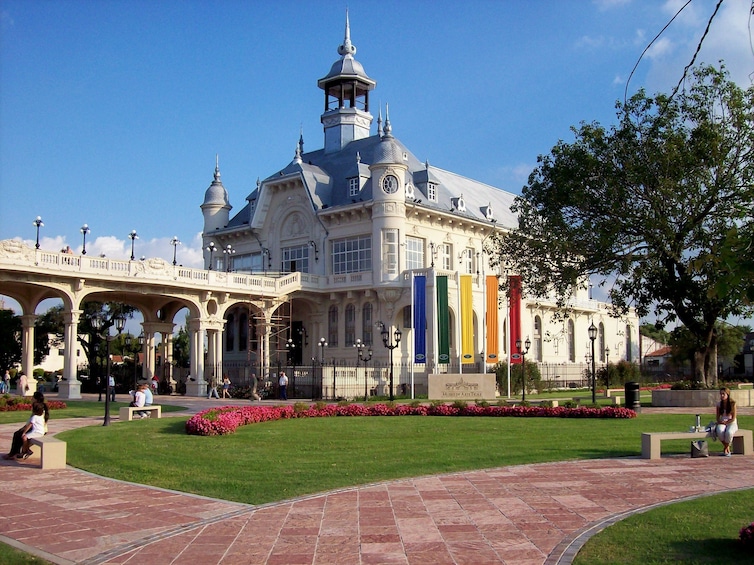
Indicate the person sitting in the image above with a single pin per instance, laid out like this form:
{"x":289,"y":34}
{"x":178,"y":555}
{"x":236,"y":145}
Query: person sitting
{"x":727,"y":425}
{"x":148,"y":396}
{"x":35,"y":427}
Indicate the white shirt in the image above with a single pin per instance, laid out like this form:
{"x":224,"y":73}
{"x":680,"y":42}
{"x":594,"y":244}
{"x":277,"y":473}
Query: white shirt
{"x":283,"y":380}
{"x":139,"y":398}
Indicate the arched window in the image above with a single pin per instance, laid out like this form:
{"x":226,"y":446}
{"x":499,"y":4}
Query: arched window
{"x":601,"y":341}
{"x":537,"y":338}
{"x":367,"y":324}
{"x":332,"y":327}
{"x":628,"y":343}
{"x":243,"y":332}
{"x":571,"y":342}
{"x":230,"y":332}
{"x":350,"y":325}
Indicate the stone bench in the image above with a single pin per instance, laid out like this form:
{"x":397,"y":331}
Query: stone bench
{"x":651,"y":441}
{"x":126,"y":413}
{"x":52,"y":451}
{"x":617,"y":400}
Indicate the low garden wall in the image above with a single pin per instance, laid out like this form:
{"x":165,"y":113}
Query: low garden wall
{"x":700,"y":398}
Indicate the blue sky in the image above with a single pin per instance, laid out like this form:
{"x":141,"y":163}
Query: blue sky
{"x":112,"y":112}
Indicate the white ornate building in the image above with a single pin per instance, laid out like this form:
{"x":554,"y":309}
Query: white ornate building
{"x":358,"y":218}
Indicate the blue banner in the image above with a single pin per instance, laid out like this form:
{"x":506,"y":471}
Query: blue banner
{"x":420,"y":319}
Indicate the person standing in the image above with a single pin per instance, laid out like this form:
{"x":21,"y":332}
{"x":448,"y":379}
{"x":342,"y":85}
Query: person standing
{"x":254,"y":385}
{"x":727,"y":425}
{"x":226,"y":387}
{"x":213,"y":387}
{"x":22,"y":386}
{"x":111,"y":383}
{"x":283,"y":385}
{"x":6,"y":382}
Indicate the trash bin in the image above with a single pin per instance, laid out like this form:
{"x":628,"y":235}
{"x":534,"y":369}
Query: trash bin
{"x":632,"y":396}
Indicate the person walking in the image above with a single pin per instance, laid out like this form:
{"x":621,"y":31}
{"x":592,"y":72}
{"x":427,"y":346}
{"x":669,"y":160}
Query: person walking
{"x":5,"y":383}
{"x":22,"y":386}
{"x":213,"y":387}
{"x":254,"y":385}
{"x":226,"y":387}
{"x":283,"y":385}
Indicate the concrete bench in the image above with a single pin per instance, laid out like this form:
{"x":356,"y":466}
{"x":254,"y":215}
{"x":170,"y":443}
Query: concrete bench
{"x":651,"y":441}
{"x":126,"y":413}
{"x":617,"y":400}
{"x":52,"y":451}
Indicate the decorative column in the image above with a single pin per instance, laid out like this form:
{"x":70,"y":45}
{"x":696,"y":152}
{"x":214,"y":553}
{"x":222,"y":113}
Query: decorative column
{"x":70,"y":386}
{"x":27,"y":350}
{"x":197,"y":387}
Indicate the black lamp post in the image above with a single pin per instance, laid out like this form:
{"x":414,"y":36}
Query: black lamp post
{"x":133,"y":236}
{"x":84,"y":230}
{"x":607,"y":367}
{"x":175,"y":242}
{"x":365,"y":357}
{"x":592,"y":336}
{"x":228,"y":251}
{"x":527,"y":345}
{"x":290,"y":347}
{"x":211,"y":248}
{"x":322,"y":343}
{"x":390,"y":344}
{"x":98,"y":323}
{"x":39,"y":223}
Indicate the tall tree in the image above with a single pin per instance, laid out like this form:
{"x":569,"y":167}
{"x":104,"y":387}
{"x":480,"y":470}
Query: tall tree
{"x":660,"y":204}
{"x":10,"y":340}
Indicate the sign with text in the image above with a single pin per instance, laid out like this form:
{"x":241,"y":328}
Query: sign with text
{"x":466,"y":386}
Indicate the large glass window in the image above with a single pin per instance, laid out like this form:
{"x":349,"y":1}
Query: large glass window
{"x":230,"y":332}
{"x":243,"y":332}
{"x":352,"y":255}
{"x":447,"y":257}
{"x":431,"y":192}
{"x":350,"y":325}
{"x":295,"y":259}
{"x":601,"y":341}
{"x":367,"y":324}
{"x":390,"y":251}
{"x":468,"y":261}
{"x":537,"y":338}
{"x":571,"y":337}
{"x":353,"y":186}
{"x":332,"y":327}
{"x":414,"y":253}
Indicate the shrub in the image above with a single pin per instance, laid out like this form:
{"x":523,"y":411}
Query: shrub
{"x":533,"y":377}
{"x":459,"y":404}
{"x":746,"y":536}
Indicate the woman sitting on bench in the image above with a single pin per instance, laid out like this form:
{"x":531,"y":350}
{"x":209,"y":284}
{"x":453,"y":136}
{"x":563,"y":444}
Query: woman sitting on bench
{"x":35,"y":427}
{"x":726,"y":420}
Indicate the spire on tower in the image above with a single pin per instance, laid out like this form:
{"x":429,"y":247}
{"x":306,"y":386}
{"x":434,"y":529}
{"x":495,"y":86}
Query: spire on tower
{"x":217,"y":167}
{"x":347,"y":48}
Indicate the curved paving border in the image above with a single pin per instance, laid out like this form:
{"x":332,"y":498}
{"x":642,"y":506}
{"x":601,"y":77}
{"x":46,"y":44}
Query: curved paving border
{"x":530,"y":514}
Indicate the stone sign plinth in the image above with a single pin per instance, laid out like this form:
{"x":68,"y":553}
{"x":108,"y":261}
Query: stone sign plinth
{"x":467,"y":386}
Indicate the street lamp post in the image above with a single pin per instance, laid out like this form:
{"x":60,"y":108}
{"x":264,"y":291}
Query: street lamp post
{"x":228,"y":251}
{"x":322,"y":343}
{"x":84,"y":230}
{"x":175,"y":242}
{"x":365,"y":357}
{"x":211,"y":248}
{"x":607,"y":367}
{"x":98,"y":323}
{"x":527,"y":345}
{"x":390,"y":344}
{"x":133,"y":236}
{"x":39,"y":223}
{"x":592,"y":336}
{"x":290,"y":346}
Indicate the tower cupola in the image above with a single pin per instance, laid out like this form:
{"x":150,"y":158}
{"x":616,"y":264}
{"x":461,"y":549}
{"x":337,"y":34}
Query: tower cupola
{"x":346,"y":116}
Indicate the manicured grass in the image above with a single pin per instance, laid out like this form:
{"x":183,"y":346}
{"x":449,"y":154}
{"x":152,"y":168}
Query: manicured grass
{"x":278,"y":460}
{"x":12,"y":556}
{"x":77,"y":409}
{"x":704,"y":530}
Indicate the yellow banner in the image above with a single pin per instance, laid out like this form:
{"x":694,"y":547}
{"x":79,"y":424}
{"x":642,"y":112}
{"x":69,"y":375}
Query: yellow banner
{"x":467,"y":321}
{"x":492,"y":338}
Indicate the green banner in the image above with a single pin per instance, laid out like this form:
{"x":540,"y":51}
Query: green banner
{"x":443,"y":321}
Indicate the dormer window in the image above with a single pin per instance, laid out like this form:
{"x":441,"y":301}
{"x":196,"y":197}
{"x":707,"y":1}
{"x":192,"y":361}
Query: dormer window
{"x":410,"y":194}
{"x":488,"y":213}
{"x":431,"y":192}
{"x":353,"y":186}
{"x":461,"y":204}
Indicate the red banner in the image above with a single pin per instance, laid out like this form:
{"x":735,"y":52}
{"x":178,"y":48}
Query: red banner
{"x":514,"y":313}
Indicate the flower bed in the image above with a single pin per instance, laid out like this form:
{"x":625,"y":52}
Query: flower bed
{"x":225,"y":420}
{"x":18,"y":404}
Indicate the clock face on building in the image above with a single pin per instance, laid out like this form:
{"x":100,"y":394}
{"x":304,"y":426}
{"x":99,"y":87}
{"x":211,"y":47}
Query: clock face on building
{"x":390,"y":184}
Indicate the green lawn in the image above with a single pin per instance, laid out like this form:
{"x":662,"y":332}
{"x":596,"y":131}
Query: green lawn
{"x":703,"y":531}
{"x":77,"y":409}
{"x":278,"y":460}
